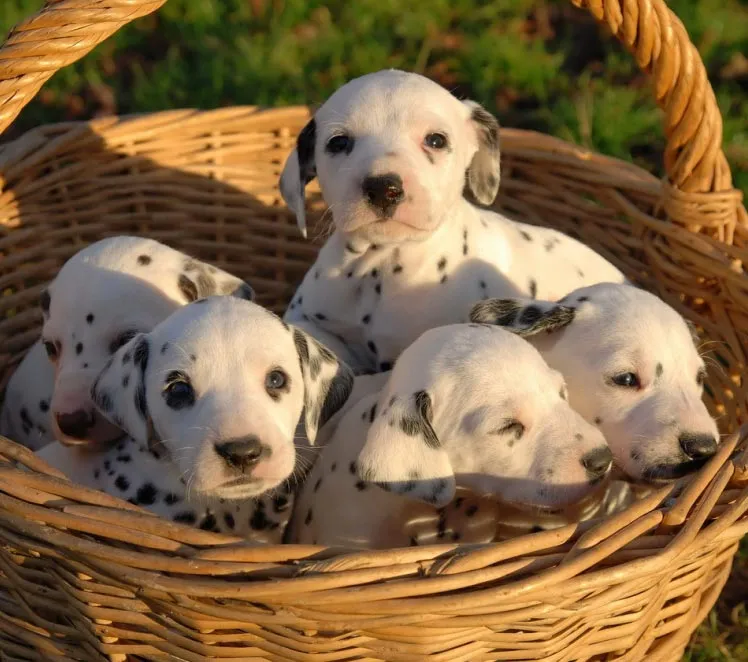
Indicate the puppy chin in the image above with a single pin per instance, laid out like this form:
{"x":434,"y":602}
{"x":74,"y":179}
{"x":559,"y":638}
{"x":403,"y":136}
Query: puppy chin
{"x":407,"y":223}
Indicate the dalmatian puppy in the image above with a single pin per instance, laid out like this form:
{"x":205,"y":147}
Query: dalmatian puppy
{"x":632,"y":368}
{"x":393,"y":152}
{"x":210,"y":400}
{"x":24,"y":416}
{"x":464,"y":408}
{"x":103,"y":296}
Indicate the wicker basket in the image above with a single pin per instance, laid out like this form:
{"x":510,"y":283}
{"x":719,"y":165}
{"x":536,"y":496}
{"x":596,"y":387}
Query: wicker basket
{"x":84,"y":576}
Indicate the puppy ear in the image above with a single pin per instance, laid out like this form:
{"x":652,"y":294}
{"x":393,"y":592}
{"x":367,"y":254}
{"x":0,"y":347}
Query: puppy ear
{"x":238,"y":289}
{"x":403,"y":454}
{"x":327,"y":382}
{"x":198,"y":280}
{"x":300,"y":169}
{"x":484,"y":172}
{"x":525,"y":317}
{"x":119,"y":390}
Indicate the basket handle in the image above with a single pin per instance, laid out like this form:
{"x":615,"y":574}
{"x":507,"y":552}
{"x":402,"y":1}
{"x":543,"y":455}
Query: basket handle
{"x":61,"y":33}
{"x":694,"y":161}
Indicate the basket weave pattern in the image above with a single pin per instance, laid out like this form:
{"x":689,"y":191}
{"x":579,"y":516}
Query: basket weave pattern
{"x":85,"y":576}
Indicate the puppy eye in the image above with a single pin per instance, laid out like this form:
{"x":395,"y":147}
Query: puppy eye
{"x":435,"y":141}
{"x":626,"y":380}
{"x":275,"y":381}
{"x":122,"y":339}
{"x":339,"y":143}
{"x":701,"y":377}
{"x":51,"y":349}
{"x":178,"y":392}
{"x":512,"y":426}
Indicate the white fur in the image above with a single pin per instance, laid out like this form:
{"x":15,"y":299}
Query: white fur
{"x":608,"y":330}
{"x":380,"y":281}
{"x":381,"y":483}
{"x":224,"y":348}
{"x":127,"y":284}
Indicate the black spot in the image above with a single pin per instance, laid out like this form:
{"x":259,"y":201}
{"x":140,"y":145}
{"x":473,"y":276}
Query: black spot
{"x":464,"y":249}
{"x":384,"y":366}
{"x":170,"y":499}
{"x":378,"y":288}
{"x":126,"y":358}
{"x":259,"y":520}
{"x":333,"y":466}
{"x":580,"y":273}
{"x":533,"y":287}
{"x":366,"y":319}
{"x":97,"y":473}
{"x":147,"y":494}
{"x":104,"y":401}
{"x":360,"y":485}
{"x":107,"y":465}
{"x":582,"y":299}
{"x":122,"y":482}
{"x":320,"y":316}
{"x":85,"y":365}
{"x":441,"y":265}
{"x":79,"y":348}
{"x":124,"y":458}
{"x":658,"y":370}
{"x":352,"y":468}
{"x":443,"y":279}
{"x":164,"y":347}
{"x":349,"y":274}
{"x":208,"y":523}
{"x":280,"y":503}
{"x":140,"y":403}
{"x":186,"y":517}
{"x":44,"y":405}
{"x":526,"y":235}
{"x":317,"y":484}
{"x":125,"y":381}
{"x":188,"y":288}
{"x":530,"y":315}
{"x":397,"y":268}
{"x":140,"y":354}
{"x":598,"y":420}
{"x":471,"y":510}
{"x":308,"y":518}
{"x":302,"y":346}
{"x":144,"y":259}
{"x":458,"y":502}
{"x":44,"y":301}
{"x":90,"y":318}
{"x":373,"y":413}
{"x":372,"y":347}
{"x":228,"y":518}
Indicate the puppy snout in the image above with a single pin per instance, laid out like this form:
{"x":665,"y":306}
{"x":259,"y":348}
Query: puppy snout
{"x":698,"y":446}
{"x":597,"y":462}
{"x":243,"y":454}
{"x":75,"y":425}
{"x":384,"y":192}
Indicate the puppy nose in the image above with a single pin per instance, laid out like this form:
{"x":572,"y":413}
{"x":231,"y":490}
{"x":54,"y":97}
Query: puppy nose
{"x":384,"y":191}
{"x":244,"y":453}
{"x":698,"y":446}
{"x":597,"y":462}
{"x":75,"y":425}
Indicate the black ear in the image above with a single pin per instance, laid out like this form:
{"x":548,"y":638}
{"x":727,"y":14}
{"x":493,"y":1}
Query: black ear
{"x":328,"y":382}
{"x":484,"y":172}
{"x":525,"y":317}
{"x":300,"y":169}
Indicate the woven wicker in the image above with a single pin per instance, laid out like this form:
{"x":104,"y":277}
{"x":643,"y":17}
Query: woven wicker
{"x":84,"y":576}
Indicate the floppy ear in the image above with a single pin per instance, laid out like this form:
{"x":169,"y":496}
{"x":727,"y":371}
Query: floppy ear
{"x":403,"y":455}
{"x":484,"y":172}
{"x":198,"y":280}
{"x":300,"y":169}
{"x":119,"y":390}
{"x":525,"y":317}
{"x":327,"y":382}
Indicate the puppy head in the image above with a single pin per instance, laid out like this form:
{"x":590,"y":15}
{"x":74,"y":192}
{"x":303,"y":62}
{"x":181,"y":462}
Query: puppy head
{"x":392,"y":151}
{"x":468,"y":406}
{"x":632,"y":369}
{"x":218,"y":389}
{"x":101,"y":298}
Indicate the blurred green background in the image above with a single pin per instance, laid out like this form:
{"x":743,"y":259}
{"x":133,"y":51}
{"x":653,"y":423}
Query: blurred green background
{"x":538,"y":64}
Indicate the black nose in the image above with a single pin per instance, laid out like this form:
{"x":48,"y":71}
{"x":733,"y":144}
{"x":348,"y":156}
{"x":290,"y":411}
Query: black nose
{"x":698,"y":446}
{"x":244,"y":453}
{"x":384,"y":192}
{"x":75,"y":425}
{"x":597,"y":462}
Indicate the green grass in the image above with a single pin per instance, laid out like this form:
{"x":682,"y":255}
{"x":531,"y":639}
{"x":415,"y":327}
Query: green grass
{"x":538,"y":64}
